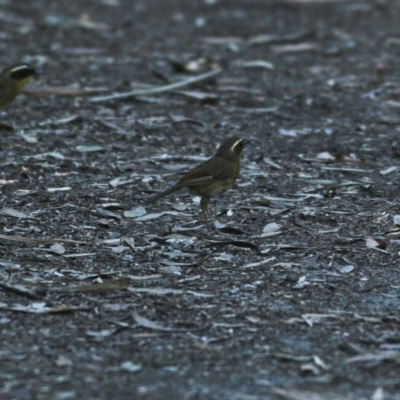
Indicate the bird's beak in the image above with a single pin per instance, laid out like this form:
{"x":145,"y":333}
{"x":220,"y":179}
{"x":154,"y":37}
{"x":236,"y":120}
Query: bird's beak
{"x":246,"y":142}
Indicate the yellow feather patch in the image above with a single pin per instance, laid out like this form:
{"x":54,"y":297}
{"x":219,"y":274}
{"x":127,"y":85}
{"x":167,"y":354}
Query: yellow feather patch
{"x":21,"y":83}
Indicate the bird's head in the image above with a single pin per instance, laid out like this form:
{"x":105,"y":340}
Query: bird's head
{"x":20,"y":74}
{"x":232,"y":148}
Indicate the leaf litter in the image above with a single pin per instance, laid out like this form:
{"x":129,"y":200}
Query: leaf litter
{"x":321,"y":187}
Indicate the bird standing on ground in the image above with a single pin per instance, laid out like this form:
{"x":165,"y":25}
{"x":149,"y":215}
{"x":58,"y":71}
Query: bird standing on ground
{"x":213,"y":177}
{"x":12,"y":80}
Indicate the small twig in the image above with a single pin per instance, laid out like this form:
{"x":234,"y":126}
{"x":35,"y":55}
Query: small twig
{"x":64,"y":91}
{"x":118,"y":284}
{"x":38,"y":240}
{"x":24,"y":291}
{"x":160,"y":89}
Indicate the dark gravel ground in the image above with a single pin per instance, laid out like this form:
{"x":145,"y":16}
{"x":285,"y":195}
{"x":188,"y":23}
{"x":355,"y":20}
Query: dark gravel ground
{"x":297,"y":298}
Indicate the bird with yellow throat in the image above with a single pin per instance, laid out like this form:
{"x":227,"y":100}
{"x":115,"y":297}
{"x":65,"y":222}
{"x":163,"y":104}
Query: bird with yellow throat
{"x":12,"y":81}
{"x":212,"y":178}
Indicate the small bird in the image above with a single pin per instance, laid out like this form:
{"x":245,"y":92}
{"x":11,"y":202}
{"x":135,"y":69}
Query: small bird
{"x":213,"y":177}
{"x":12,"y":80}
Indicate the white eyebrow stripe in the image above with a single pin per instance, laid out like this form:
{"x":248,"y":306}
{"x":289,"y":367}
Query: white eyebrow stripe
{"x":236,"y":143}
{"x":20,"y":67}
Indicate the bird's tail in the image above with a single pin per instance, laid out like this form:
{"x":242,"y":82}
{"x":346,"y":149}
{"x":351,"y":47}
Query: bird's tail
{"x":158,"y":196}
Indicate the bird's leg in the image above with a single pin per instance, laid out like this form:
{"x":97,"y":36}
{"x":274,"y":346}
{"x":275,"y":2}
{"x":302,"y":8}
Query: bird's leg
{"x":207,"y":216}
{"x":204,"y":205}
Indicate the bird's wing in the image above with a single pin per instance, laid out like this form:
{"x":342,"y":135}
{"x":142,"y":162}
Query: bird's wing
{"x":215,"y":169}
{"x":212,"y":170}
{"x":194,"y":179}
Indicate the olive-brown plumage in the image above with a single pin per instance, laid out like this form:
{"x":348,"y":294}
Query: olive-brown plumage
{"x":213,"y":177}
{"x":12,"y":80}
